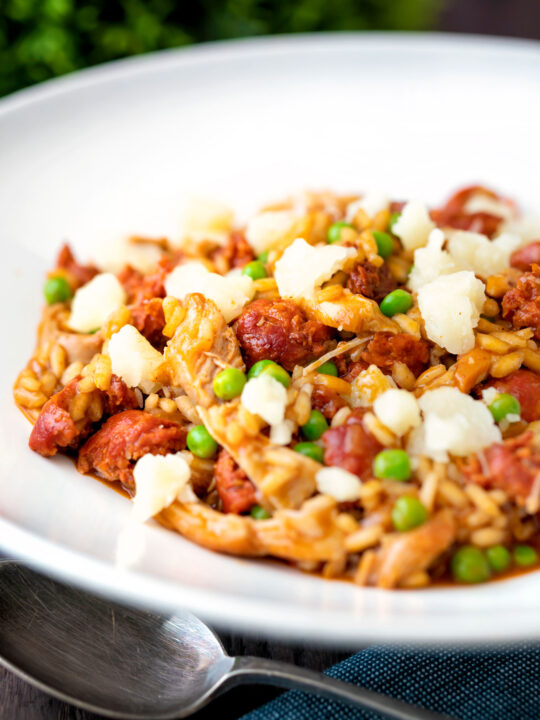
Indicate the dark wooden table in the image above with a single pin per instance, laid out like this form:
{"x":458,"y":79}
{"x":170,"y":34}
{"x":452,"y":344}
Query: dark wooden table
{"x":20,"y":701}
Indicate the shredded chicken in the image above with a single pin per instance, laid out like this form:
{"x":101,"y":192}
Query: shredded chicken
{"x":284,"y":477}
{"x":202,"y":345}
{"x":308,"y":534}
{"x":350,"y":312}
{"x":405,"y":553}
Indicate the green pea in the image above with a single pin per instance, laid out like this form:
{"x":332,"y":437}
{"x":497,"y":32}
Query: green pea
{"x":310,"y":450}
{"x":385,"y":244}
{"x":525,"y":555}
{"x":498,"y":557}
{"x":278,"y":373}
{"x":315,"y":426}
{"x":394,"y":217}
{"x":229,"y":383}
{"x":408,"y":513}
{"x":259,"y":513}
{"x":57,"y":289}
{"x":334,"y":231}
{"x":255,"y":270}
{"x":470,"y":565}
{"x":503,"y":405}
{"x":258,"y":367}
{"x":398,"y":301}
{"x":328,"y":368}
{"x":201,"y":443}
{"x":263,"y":257}
{"x":392,"y":465}
{"x":271,"y":368}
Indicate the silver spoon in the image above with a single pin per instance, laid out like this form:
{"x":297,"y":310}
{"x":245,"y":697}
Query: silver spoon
{"x":126,"y":663}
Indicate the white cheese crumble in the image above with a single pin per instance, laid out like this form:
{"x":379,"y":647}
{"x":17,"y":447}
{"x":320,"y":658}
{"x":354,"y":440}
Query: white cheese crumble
{"x":398,"y":410}
{"x":453,"y":423}
{"x":303,"y":268}
{"x":431,"y":261}
{"x":450,"y":306}
{"x":230,"y":294}
{"x":266,"y":397}
{"x":489,"y":395}
{"x":371,"y":203}
{"x":265,"y":230}
{"x":94,"y":302}
{"x":368,"y":385}
{"x":205,"y":215}
{"x":476,"y":252}
{"x":159,"y":481}
{"x":340,"y":484}
{"x":281,"y":434}
{"x":114,"y":256}
{"x":413,"y":225}
{"x":133,"y":358}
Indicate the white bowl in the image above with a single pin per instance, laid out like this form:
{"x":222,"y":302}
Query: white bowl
{"x":116,"y":150}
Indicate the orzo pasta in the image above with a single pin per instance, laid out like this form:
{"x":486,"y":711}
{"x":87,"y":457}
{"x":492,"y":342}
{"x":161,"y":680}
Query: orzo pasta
{"x":346,"y":383}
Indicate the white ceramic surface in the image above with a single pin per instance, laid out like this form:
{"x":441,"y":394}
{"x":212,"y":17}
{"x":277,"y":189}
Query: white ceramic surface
{"x":116,"y":150}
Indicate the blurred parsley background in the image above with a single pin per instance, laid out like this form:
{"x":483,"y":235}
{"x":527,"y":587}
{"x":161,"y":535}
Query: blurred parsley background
{"x":43,"y":38}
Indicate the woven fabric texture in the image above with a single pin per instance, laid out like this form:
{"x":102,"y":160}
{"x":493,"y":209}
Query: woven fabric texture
{"x":480,"y":684}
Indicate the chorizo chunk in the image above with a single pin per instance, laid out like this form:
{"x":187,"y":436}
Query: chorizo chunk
{"x":351,"y":446}
{"x":524,"y":258}
{"x":370,"y":281}
{"x":149,"y":320}
{"x":521,"y":305}
{"x":236,"y":253}
{"x":279,"y":330}
{"x":385,"y":349}
{"x":511,"y":466}
{"x":235,"y":489}
{"x":77,"y":274}
{"x":454,"y":213}
{"x":141,"y":287}
{"x":326,"y":401}
{"x":524,"y":385}
{"x":55,"y":428}
{"x":126,"y":437}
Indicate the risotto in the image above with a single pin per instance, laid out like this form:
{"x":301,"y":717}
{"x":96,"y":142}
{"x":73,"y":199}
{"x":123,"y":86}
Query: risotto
{"x":349,"y":384}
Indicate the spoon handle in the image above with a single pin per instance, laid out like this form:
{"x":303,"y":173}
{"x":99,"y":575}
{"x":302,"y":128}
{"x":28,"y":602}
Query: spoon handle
{"x":270,"y":672}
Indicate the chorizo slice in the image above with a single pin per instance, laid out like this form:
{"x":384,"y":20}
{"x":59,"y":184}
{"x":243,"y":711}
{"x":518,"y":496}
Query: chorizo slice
{"x":351,"y":447}
{"x":524,"y":385}
{"x":524,"y":258}
{"x":235,"y":489}
{"x":521,"y":305}
{"x":77,"y":274}
{"x":512,"y":466}
{"x":386,"y":349}
{"x":113,"y":450}
{"x":370,"y":281}
{"x":456,"y":215}
{"x":279,"y":330}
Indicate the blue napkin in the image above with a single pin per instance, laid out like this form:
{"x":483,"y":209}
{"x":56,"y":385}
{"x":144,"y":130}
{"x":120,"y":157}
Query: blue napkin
{"x":484,"y":684}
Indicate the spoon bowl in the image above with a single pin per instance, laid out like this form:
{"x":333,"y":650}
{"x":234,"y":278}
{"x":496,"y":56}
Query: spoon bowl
{"x":132,"y":664}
